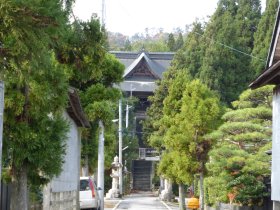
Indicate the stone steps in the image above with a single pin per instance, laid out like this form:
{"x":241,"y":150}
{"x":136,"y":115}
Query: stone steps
{"x":142,"y":175}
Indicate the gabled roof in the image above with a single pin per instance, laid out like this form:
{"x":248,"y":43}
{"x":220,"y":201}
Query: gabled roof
{"x":271,"y":75}
{"x":150,"y":64}
{"x":75,"y":110}
{"x":158,"y":62}
{"x":142,"y":69}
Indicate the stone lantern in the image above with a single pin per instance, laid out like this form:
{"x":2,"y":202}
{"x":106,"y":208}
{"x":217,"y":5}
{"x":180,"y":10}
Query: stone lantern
{"x":114,"y":191}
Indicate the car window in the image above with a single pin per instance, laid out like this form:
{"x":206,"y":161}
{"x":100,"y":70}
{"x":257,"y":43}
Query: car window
{"x":84,"y":185}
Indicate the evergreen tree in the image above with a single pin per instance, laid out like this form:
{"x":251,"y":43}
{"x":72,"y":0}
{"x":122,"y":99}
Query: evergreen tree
{"x":35,"y":95}
{"x":242,"y":140}
{"x":171,"y":42}
{"x":153,"y":130}
{"x":191,"y":111}
{"x":233,"y":24}
{"x":179,"y":42}
{"x":93,"y":72}
{"x":191,"y":55}
{"x":262,"y":37}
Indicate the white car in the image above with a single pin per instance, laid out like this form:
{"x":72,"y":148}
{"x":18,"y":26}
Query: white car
{"x":89,"y":198}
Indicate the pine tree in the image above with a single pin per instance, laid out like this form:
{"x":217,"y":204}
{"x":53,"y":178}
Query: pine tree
{"x":238,"y":161}
{"x":262,"y":37}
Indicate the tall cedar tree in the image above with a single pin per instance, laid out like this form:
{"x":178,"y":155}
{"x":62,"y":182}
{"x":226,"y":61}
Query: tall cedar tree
{"x":93,"y":73}
{"x":262,"y":37}
{"x":36,"y":93}
{"x":191,"y":110}
{"x":153,"y":130}
{"x":171,"y":42}
{"x":233,"y":24}
{"x":191,"y":55}
{"x":179,"y":43}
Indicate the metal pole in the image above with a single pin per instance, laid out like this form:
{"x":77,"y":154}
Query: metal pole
{"x":100,"y":176}
{"x":1,"y":127}
{"x":126,"y":115}
{"x":103,"y":13}
{"x":120,"y":148}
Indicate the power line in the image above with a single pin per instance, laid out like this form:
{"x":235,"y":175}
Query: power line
{"x":232,"y":48}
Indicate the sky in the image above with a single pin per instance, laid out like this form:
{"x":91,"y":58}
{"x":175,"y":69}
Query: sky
{"x":133,"y":16}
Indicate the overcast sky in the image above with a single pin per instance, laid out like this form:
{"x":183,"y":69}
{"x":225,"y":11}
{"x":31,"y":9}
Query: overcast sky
{"x":131,"y":16}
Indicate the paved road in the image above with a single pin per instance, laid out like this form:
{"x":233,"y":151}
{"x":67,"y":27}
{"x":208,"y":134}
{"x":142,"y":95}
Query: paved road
{"x":143,"y":201}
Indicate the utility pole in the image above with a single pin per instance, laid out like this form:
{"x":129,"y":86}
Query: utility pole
{"x":1,"y":126}
{"x":128,"y":107}
{"x":127,"y":114}
{"x":100,"y":175}
{"x":103,"y":13}
{"x":120,"y":148}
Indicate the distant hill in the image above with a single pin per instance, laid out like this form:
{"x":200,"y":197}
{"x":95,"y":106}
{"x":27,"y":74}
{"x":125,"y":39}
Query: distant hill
{"x":153,"y":40}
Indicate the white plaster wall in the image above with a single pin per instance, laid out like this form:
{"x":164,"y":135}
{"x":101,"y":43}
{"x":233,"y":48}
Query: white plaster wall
{"x":275,"y":173}
{"x":69,"y":177}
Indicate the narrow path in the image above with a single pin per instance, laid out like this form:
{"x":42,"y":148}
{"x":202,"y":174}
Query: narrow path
{"x":143,"y":201}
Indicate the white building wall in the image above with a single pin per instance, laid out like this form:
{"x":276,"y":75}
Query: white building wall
{"x":62,"y":193}
{"x":275,"y":174}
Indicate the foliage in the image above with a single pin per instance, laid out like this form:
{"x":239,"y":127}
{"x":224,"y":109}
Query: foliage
{"x":188,"y":118}
{"x":262,"y":36}
{"x":190,"y":56}
{"x":219,"y":52}
{"x":171,"y":42}
{"x":36,"y":92}
{"x":93,"y":73}
{"x":153,"y":131}
{"x":239,"y":161}
{"x":156,"y":41}
{"x":232,"y":24}
{"x":32,"y":90}
{"x":249,"y":189}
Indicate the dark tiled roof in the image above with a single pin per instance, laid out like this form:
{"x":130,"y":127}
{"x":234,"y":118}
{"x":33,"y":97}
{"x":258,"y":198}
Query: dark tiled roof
{"x":157,"y":61}
{"x":75,"y":110}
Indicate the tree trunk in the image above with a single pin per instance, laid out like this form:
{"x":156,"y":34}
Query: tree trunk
{"x":19,"y":193}
{"x":182,"y":205}
{"x":201,"y":196}
{"x":169,"y":190}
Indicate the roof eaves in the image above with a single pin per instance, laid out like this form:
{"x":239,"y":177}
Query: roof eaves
{"x":75,"y":109}
{"x":266,"y":76}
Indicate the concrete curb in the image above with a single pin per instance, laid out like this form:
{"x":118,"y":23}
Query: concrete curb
{"x":165,"y":205}
{"x":117,"y":205}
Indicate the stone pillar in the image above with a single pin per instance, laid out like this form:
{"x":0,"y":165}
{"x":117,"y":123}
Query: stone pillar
{"x":275,"y":169}
{"x":47,"y":197}
{"x":276,"y":205}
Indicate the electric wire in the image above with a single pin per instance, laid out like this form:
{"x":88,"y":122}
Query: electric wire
{"x":232,"y":48}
